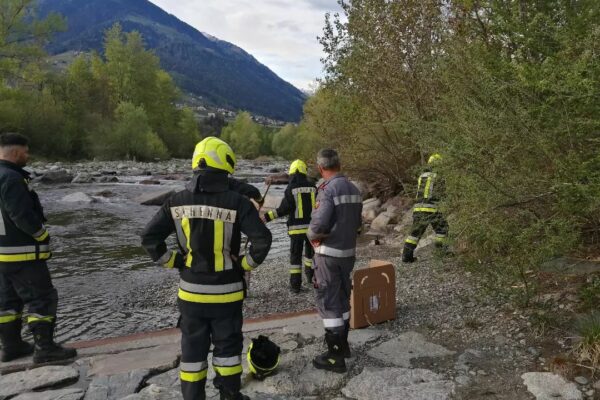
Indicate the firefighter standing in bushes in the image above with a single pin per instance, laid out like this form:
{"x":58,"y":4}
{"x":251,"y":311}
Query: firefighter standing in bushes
{"x":425,"y":212}
{"x":297,"y":203}
{"x":24,"y":249}
{"x":208,"y":219}
{"x":334,"y":228}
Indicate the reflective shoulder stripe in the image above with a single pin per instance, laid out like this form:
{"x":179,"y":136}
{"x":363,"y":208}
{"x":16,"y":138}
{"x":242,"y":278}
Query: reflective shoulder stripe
{"x":347,"y":199}
{"x":204,"y":212}
{"x":330,"y":251}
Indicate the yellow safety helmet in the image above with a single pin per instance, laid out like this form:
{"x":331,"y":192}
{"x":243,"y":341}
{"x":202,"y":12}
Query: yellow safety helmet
{"x":434,"y":157}
{"x":263,"y":357}
{"x":214,"y":153}
{"x":298,"y":166}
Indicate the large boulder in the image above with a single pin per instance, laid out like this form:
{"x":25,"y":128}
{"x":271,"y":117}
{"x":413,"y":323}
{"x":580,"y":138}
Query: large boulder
{"x":549,"y":386}
{"x":380,"y":224}
{"x":56,"y":176}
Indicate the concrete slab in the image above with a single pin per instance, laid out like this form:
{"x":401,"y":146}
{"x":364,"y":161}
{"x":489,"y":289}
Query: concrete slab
{"x":159,"y":358}
{"x":64,"y":394}
{"x":116,"y":386}
{"x":407,"y":346}
{"x":26,"y":381}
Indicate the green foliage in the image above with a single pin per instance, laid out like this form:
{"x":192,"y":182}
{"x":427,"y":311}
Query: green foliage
{"x":507,"y":91}
{"x":590,"y":293}
{"x":244,"y":136}
{"x":130,"y":137}
{"x":588,"y":348}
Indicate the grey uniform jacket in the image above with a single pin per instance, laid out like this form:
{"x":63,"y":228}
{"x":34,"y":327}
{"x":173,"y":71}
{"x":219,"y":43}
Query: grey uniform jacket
{"x":337,"y":220}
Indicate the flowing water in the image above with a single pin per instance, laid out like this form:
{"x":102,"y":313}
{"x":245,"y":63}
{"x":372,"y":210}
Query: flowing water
{"x":107,"y":284}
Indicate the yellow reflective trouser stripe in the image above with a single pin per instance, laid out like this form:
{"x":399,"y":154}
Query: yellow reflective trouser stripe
{"x":211,"y":298}
{"x":299,"y":206}
{"x":185,"y":226}
{"x":419,"y":187}
{"x":9,"y":318}
{"x":24,"y":257}
{"x":427,"y":188}
{"x":411,"y":241}
{"x":297,"y":231}
{"x":171,"y":262}
{"x":425,"y":209}
{"x":31,"y":319}
{"x":193,"y":376}
{"x":295,"y":271}
{"x":228,"y":371}
{"x":218,"y":245}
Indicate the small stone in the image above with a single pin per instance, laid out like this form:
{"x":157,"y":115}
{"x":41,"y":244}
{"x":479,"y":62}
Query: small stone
{"x":597,"y":385}
{"x":590,"y":393}
{"x":534,"y":352}
{"x":582,"y":380}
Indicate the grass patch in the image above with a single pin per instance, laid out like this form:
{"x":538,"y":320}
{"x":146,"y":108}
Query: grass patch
{"x":589,"y":294}
{"x":587,"y":350}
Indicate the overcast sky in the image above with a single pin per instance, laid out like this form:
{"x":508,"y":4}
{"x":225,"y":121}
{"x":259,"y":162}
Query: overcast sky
{"x":282,"y":34}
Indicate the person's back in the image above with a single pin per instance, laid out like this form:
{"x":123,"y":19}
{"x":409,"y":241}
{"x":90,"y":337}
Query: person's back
{"x":208,"y":219}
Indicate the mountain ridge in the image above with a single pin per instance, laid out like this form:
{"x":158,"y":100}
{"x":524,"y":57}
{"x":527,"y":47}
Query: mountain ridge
{"x":217,"y":70}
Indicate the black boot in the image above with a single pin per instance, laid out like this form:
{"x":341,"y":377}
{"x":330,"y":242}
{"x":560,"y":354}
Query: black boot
{"x":226,"y":395}
{"x":308,"y":271}
{"x":13,"y":346}
{"x":407,"y":255}
{"x":46,"y":350}
{"x":345,"y":347}
{"x":333,"y":359}
{"x":296,"y":282}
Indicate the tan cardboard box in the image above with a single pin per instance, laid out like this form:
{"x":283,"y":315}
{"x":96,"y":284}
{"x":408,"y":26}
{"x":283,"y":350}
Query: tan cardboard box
{"x":373,"y":297}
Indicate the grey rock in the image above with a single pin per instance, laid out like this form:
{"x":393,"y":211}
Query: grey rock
{"x":597,"y":385}
{"x":107,"y":179}
{"x":64,"y":394}
{"x":360,"y":337}
{"x":56,"y":176}
{"x":83,"y":177}
{"x":156,"y":392}
{"x":534,"y":352}
{"x":398,"y":383}
{"x":582,"y":380}
{"x":467,"y":360}
{"x":380,"y":224}
{"x":78,"y":197}
{"x":590,"y":393}
{"x":116,"y":386}
{"x":407,"y":346}
{"x":462,"y":380}
{"x":369,"y":215}
{"x":549,"y":386}
{"x":25,"y":381}
{"x":169,"y":379}
{"x":156,"y":198}
{"x":157,"y":359}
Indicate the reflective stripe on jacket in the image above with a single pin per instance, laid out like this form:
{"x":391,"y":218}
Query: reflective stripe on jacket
{"x":23,"y":236}
{"x":298,"y":203}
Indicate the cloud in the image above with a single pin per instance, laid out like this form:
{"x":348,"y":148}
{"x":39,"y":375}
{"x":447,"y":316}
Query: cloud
{"x":282,"y":34}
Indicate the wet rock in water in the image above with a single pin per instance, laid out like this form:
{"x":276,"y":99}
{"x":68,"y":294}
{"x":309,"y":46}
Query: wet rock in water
{"x":83,"y":177}
{"x":155,"y":198}
{"x":63,"y":394}
{"x":56,"y":176}
{"x":549,"y":386}
{"x":116,"y":386}
{"x":108,"y":172}
{"x":405,"y":347}
{"x":155,"y":392}
{"x":398,"y":383}
{"x":107,"y":179}
{"x":43,"y":377}
{"x":149,"y":182}
{"x":277,"y":179}
{"x":78,"y":197}
{"x":105,"y":193}
{"x":274,"y":170}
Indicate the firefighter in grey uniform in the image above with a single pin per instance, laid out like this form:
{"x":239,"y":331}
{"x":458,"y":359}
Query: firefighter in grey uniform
{"x":208,"y":219}
{"x":297,"y":203}
{"x":335,"y":225}
{"x":24,"y":250}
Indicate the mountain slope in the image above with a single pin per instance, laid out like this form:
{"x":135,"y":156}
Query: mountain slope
{"x":219,"y":71}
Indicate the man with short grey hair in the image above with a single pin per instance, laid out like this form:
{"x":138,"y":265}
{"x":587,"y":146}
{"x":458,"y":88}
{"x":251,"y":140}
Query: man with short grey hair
{"x":334,"y":227}
{"x":24,"y":249}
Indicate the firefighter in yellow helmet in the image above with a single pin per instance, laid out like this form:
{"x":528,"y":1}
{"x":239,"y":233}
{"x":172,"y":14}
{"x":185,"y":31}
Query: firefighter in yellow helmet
{"x":297,"y":203}
{"x":208,"y":219}
{"x":429,"y":192}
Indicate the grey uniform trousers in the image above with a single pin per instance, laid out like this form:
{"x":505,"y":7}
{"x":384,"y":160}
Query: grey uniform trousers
{"x":333,"y":285}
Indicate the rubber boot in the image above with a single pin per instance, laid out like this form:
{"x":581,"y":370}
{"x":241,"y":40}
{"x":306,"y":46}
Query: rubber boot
{"x":296,"y":283}
{"x":13,"y":346}
{"x":407,"y":255}
{"x":226,"y":395}
{"x":333,"y":359}
{"x":309,"y":273}
{"x":46,"y":350}
{"x":345,"y":347}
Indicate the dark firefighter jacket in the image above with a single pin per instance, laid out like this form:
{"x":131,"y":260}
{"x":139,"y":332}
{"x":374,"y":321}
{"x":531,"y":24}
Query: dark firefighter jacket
{"x":245,"y":189}
{"x":429,"y":192}
{"x":23,"y":236}
{"x":297,"y":203}
{"x":208,"y":218}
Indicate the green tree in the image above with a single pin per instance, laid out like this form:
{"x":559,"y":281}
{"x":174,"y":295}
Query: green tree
{"x":243,"y":135}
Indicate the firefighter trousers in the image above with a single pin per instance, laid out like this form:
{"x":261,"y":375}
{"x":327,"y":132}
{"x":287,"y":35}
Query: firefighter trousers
{"x":333,"y":286}
{"x":297,"y":244}
{"x":421,"y":220}
{"x":27,"y":283}
{"x":197,"y":334}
